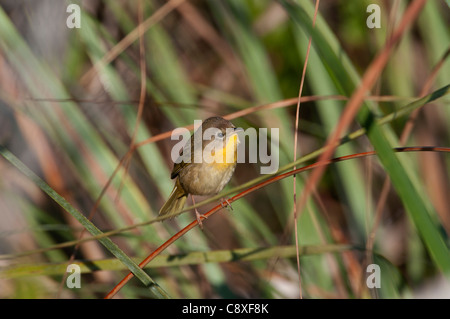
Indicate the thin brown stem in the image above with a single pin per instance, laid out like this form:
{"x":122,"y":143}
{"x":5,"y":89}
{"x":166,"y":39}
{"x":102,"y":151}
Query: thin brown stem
{"x":142,"y":94}
{"x":407,"y":130}
{"x":159,"y":14}
{"x":297,"y":116}
{"x":370,"y":76}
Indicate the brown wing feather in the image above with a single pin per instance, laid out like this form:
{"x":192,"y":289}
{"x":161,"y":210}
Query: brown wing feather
{"x":177,"y":169}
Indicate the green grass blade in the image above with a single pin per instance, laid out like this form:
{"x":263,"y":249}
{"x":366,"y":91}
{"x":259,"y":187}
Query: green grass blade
{"x":348,"y":176}
{"x":192,"y":258}
{"x":413,"y":202}
{"x":91,"y":228}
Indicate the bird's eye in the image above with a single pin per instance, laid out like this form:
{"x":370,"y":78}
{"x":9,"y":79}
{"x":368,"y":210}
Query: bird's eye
{"x":219,"y":134}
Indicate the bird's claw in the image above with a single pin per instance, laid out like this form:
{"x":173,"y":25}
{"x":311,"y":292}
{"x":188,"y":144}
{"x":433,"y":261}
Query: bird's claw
{"x":228,"y":205}
{"x":199,"y":218}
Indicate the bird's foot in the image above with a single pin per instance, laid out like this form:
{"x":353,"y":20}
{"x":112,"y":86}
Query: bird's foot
{"x":199,"y":218}
{"x":227,"y":205}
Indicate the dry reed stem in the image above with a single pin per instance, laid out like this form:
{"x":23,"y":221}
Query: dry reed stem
{"x":130,"y":38}
{"x":297,"y":116}
{"x":403,"y":139}
{"x":370,"y":76}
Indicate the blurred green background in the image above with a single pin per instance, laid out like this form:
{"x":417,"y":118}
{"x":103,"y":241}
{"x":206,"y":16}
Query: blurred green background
{"x":71,"y":124}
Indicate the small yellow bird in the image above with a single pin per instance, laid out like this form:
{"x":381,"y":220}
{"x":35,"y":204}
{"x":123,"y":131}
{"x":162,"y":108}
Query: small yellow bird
{"x":209,"y":176}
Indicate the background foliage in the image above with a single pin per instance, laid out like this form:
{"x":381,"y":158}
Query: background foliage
{"x":71,"y":125}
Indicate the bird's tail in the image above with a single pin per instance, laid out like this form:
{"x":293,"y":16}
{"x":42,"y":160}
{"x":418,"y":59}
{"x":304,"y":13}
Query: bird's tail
{"x":176,"y":201}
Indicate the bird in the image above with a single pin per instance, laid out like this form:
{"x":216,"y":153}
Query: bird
{"x":208,"y":176}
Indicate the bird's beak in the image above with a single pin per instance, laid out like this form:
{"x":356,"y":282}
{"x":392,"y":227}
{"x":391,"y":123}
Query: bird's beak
{"x":235,"y":131}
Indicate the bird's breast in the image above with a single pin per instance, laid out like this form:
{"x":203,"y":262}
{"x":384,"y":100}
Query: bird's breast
{"x":208,"y":178}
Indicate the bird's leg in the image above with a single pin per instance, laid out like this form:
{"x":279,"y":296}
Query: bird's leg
{"x":197,"y":214}
{"x":226,"y":206}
